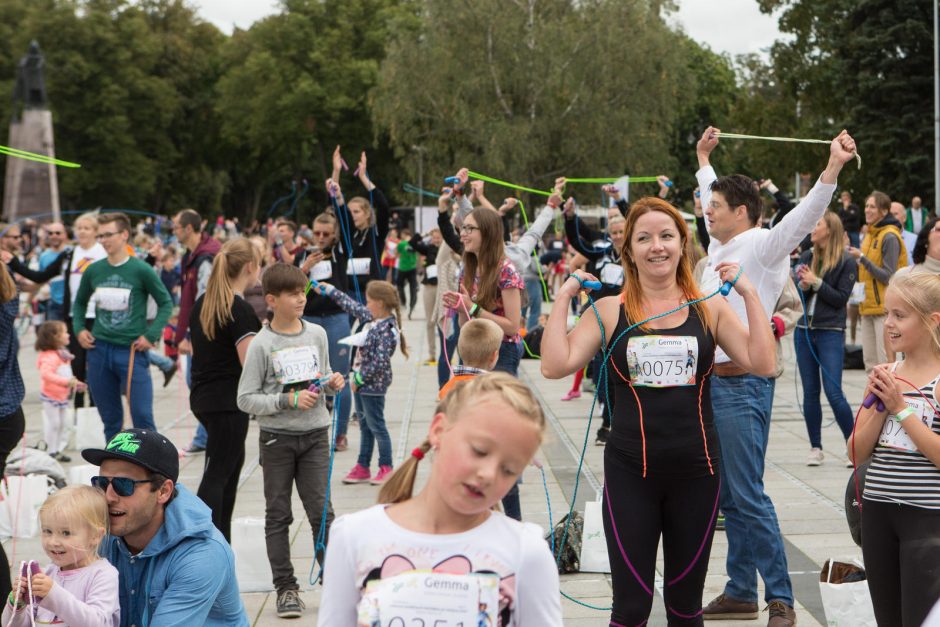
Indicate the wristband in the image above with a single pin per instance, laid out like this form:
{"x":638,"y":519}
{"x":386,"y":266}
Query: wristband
{"x":15,"y":603}
{"x":296,"y":398}
{"x":904,"y":413}
{"x":473,"y":310}
{"x":357,"y":377}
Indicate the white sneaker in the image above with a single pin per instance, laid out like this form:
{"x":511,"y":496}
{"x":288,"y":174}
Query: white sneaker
{"x":815,"y":457}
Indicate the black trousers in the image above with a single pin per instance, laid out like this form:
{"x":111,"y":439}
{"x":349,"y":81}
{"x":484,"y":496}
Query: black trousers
{"x":901,"y":546}
{"x":225,"y":456}
{"x":11,"y":432}
{"x":637,"y":511}
{"x":410,"y":277}
{"x":79,"y":368}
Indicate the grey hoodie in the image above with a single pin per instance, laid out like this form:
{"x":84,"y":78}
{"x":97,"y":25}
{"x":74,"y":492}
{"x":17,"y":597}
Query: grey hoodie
{"x":266,"y":392}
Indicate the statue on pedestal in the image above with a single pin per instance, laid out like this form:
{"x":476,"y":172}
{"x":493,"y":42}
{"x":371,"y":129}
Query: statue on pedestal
{"x":30,"y":88}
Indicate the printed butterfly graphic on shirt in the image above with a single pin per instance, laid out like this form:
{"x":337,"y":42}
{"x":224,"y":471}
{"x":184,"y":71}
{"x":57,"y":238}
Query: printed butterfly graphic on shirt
{"x":456,"y":565}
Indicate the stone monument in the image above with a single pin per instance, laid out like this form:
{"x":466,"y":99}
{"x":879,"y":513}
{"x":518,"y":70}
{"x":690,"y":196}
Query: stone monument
{"x":30,"y":188}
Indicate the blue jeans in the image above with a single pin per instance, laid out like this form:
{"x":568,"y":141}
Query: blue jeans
{"x":531,"y":312}
{"x":828,"y":346}
{"x":449,"y":345}
{"x":162,"y":362}
{"x":107,"y":379}
{"x":372,"y":429}
{"x":854,"y":238}
{"x":509,"y":357}
{"x":337,"y":327}
{"x":742,"y":407}
{"x":55,"y":311}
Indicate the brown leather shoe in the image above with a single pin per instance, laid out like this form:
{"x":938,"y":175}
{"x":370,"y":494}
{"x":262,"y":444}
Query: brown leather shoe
{"x":781,"y":614}
{"x":725,"y":608}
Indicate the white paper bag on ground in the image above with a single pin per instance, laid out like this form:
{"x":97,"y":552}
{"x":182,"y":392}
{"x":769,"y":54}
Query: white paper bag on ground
{"x":89,"y":430}
{"x":19,"y":509}
{"x":81,"y":475}
{"x":594,"y":558}
{"x":251,"y":555}
{"x":846,"y":604}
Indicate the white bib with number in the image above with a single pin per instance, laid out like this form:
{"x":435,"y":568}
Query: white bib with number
{"x":426,"y":599}
{"x":612,"y":274}
{"x":322,"y":271}
{"x":358,"y":266}
{"x":662,"y":361}
{"x":430,"y":272}
{"x":295,"y":364}
{"x":893,"y":435}
{"x":113,"y":298}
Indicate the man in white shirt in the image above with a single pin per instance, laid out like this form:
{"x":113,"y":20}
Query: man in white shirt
{"x":910,"y":239}
{"x":742,"y":402}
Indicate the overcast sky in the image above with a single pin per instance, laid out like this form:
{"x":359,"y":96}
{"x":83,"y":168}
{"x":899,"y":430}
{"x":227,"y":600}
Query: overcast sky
{"x":708,"y":21}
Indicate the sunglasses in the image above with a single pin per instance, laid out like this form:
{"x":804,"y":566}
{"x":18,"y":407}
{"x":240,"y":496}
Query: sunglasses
{"x":123,"y":486}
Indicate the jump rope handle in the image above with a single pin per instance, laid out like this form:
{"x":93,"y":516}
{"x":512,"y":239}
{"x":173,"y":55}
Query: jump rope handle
{"x":726,"y":288}
{"x":871,"y":399}
{"x":591,"y":285}
{"x":452,"y":180}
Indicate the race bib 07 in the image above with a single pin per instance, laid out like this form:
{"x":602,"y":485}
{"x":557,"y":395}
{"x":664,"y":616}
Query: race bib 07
{"x":322,"y":271}
{"x":296,"y":364}
{"x":113,"y":298}
{"x":895,"y":436}
{"x":427,"y":599}
{"x":662,"y":361}
{"x":358,"y":266}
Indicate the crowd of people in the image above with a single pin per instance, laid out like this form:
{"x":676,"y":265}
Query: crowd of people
{"x":294,"y":326}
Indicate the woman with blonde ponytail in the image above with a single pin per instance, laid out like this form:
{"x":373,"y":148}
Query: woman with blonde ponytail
{"x":222,"y":325}
{"x":483,"y":435}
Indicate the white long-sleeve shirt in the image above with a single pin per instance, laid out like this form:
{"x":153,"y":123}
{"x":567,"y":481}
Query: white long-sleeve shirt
{"x":763,"y":254}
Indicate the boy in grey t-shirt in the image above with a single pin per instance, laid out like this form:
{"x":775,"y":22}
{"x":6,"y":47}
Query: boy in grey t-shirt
{"x":278,"y":387}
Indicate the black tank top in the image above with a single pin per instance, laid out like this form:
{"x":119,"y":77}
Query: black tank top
{"x":662,"y":418}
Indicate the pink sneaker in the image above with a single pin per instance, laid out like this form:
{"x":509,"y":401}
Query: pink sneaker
{"x":359,"y":474}
{"x":572,"y":394}
{"x":383,"y":474}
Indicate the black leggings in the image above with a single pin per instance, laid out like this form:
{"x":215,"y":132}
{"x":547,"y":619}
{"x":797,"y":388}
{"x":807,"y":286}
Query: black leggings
{"x":680,"y":509}
{"x":11,"y":432}
{"x":225,"y":456}
{"x":410,"y":277}
{"x":901,"y":546}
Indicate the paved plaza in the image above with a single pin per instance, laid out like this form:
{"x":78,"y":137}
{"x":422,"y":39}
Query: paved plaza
{"x":809,"y":501}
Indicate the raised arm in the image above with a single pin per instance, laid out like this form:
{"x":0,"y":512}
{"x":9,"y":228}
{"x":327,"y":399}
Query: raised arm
{"x":750,"y":347}
{"x":564,"y":353}
{"x":448,"y":232}
{"x":41,"y":276}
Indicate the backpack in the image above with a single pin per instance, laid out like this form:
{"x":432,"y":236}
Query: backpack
{"x":567,"y":557}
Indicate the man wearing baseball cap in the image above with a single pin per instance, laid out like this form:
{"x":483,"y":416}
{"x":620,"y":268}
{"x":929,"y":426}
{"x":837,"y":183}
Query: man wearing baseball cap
{"x":176,"y":567}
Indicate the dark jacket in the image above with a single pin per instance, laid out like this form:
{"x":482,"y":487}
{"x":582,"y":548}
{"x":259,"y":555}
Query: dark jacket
{"x":429,"y":251}
{"x":832,"y":296}
{"x":207,"y":248}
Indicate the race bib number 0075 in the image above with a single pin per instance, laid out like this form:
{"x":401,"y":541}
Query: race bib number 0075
{"x":426,"y":599}
{"x":662,"y":361}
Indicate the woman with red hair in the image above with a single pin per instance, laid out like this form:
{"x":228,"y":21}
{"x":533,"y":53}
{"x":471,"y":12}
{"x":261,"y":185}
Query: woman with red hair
{"x":661,"y":461}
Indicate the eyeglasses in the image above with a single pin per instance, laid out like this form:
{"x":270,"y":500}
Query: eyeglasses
{"x":322,"y":234}
{"x":106,"y":235}
{"x":467,"y":229}
{"x":55,"y":233}
{"x":123,"y":486}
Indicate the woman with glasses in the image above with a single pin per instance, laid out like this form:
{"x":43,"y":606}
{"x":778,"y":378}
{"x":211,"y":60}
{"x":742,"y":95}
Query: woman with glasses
{"x":70,"y":265}
{"x":325,"y":262}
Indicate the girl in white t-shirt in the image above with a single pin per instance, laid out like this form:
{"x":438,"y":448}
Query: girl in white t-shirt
{"x":399,"y":558}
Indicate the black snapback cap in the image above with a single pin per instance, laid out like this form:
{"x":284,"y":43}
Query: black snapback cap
{"x":145,"y":448}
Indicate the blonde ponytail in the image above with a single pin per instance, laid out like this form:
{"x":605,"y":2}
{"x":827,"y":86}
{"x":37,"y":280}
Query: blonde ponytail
{"x":227,"y":265}
{"x":401,"y":485}
{"x":7,"y":285}
{"x":386,"y":294}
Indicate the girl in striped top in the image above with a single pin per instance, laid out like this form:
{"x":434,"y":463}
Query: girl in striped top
{"x":901,"y":501}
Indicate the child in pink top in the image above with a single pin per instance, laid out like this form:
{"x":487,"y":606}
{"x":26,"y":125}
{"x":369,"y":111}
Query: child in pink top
{"x":56,"y":383}
{"x":78,"y":588}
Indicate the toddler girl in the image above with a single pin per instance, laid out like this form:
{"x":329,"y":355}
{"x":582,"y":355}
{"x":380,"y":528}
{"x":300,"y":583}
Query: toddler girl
{"x":57,"y":383}
{"x":78,"y":588}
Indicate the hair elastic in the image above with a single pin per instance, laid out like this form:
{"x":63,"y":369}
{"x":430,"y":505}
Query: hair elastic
{"x":417,"y":453}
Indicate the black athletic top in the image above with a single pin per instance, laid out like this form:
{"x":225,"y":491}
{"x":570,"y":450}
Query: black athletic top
{"x":671,"y":430}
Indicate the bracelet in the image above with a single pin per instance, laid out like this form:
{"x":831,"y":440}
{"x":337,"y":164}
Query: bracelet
{"x":296,"y":398}
{"x":904,"y":413}
{"x":15,"y":603}
{"x":473,"y":310}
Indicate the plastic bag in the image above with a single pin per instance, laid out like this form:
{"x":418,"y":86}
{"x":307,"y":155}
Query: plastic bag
{"x":568,"y":557}
{"x":845,"y":596}
{"x":20,"y":500}
{"x":594,"y":557}
{"x":89,"y":429}
{"x":251,"y":555}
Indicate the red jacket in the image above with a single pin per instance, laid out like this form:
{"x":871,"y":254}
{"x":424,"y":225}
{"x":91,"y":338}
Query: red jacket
{"x":205,"y":251}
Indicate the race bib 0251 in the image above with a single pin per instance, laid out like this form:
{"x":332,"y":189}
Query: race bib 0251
{"x":428,"y":599}
{"x":662,"y":361}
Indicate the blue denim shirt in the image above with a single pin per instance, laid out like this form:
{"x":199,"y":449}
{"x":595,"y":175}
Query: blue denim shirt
{"x":11,"y":382}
